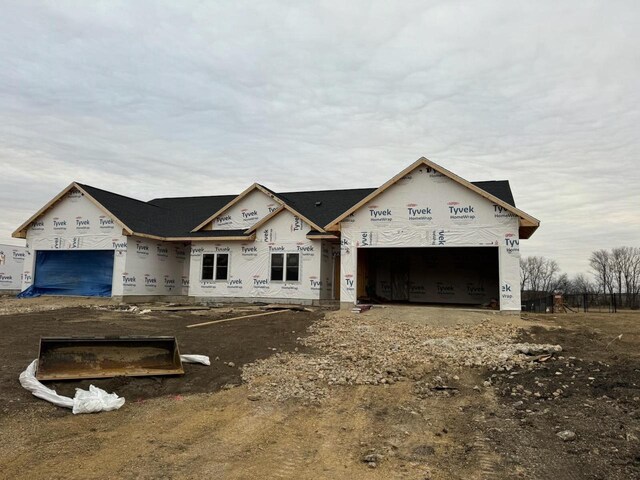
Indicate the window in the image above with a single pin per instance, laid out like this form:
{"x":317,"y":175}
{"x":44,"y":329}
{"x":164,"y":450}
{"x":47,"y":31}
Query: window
{"x":277,"y":266}
{"x":222,"y":266}
{"x":215,"y":266}
{"x":293,"y":264}
{"x":207,"y":266}
{"x":285,"y":267}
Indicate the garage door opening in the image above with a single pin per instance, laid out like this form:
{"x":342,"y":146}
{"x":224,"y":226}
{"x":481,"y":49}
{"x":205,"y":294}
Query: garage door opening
{"x":77,"y":272}
{"x":447,"y":276}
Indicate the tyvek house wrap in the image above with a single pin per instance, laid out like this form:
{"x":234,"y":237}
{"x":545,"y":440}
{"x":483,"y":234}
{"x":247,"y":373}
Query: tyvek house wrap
{"x":427,"y":209}
{"x":12,"y":259}
{"x":246,"y":213}
{"x":154,"y":268}
{"x":141,"y":266}
{"x":249,"y":264}
{"x":74,"y":223}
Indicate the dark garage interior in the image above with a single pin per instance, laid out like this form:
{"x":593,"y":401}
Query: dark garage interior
{"x":430,"y":275}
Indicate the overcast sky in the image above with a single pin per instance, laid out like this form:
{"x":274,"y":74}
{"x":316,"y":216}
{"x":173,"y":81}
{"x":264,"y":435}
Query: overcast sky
{"x":155,"y":99}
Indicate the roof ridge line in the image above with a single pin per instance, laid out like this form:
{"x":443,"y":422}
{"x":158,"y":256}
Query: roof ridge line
{"x":84,"y":185}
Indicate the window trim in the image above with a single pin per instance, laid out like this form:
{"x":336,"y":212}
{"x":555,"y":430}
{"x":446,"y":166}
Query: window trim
{"x":215,"y":267}
{"x":284,"y":267}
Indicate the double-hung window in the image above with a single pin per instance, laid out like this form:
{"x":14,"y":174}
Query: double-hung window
{"x":215,"y":266}
{"x":285,"y":267}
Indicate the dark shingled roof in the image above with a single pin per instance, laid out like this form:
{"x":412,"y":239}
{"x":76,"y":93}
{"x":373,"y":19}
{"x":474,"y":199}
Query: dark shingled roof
{"x":324,"y":205}
{"x":176,"y":217}
{"x":498,"y":188}
{"x":139,"y":216}
{"x":186,"y":213}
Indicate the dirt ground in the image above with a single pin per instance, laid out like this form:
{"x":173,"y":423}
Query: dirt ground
{"x":202,"y":426}
{"x":238,"y":342}
{"x":599,"y":400}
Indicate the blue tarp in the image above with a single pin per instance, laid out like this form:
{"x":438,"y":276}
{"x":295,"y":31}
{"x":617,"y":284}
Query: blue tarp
{"x":75,"y":272}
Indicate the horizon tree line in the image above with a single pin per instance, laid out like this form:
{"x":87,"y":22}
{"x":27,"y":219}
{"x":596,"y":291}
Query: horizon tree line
{"x":615,"y":273}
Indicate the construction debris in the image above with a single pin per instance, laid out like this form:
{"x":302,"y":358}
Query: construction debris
{"x":350,"y":349}
{"x":179,"y":308}
{"x":94,"y":400}
{"x":279,"y":306}
{"x":566,"y":435}
{"x":360,"y":308}
{"x":235,"y":318}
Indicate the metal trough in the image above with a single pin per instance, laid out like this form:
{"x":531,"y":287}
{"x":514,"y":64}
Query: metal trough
{"x":71,"y":358}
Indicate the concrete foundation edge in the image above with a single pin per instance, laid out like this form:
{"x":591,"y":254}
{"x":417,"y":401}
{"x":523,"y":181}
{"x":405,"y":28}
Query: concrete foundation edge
{"x":9,"y":293}
{"x":195,"y":300}
{"x":284,"y":301}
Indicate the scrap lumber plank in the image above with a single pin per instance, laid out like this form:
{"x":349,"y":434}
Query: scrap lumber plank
{"x":285,"y":306}
{"x":236,"y":318}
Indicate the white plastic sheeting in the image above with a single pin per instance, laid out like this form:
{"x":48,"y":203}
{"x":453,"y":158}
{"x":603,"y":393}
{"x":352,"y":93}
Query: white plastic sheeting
{"x":94,"y":400}
{"x":427,"y":209}
{"x":12,"y":260}
{"x":203,"y":359}
{"x":249,"y":264}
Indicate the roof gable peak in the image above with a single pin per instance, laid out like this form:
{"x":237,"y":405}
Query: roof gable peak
{"x":526,"y":220}
{"x":253,"y":187}
{"x":21,"y":231}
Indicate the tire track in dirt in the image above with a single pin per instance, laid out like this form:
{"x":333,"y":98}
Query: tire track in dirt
{"x":287,"y":457}
{"x":290,"y":458}
{"x":489,"y":465}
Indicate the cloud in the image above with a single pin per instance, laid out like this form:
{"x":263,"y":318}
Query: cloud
{"x":197,"y":98}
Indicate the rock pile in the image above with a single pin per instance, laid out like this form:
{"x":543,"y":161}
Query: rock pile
{"x":353,"y":349}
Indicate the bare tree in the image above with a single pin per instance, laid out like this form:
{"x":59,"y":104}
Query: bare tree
{"x":560,"y":283}
{"x":540,"y":275}
{"x":627,"y":274}
{"x":634,"y":279}
{"x":627,"y":265}
{"x":602,"y":265}
{"x":524,"y":273}
{"x":580,"y":283}
{"x":618,"y":272}
{"x":619,"y":260}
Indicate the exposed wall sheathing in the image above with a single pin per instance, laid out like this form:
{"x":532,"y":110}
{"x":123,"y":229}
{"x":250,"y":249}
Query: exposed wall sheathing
{"x":74,"y":223}
{"x":427,"y":209}
{"x":12,"y":259}
{"x":141,"y":266}
{"x":327,"y":265}
{"x":249,"y":263}
{"x":247,"y":212}
{"x":154,"y":268}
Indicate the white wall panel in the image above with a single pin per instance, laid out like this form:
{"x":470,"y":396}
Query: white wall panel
{"x":12,"y":261}
{"x":427,"y":209}
{"x":153,"y":267}
{"x":249,"y":263}
{"x":246,"y":213}
{"x":74,"y":223}
{"x":141,"y":266}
